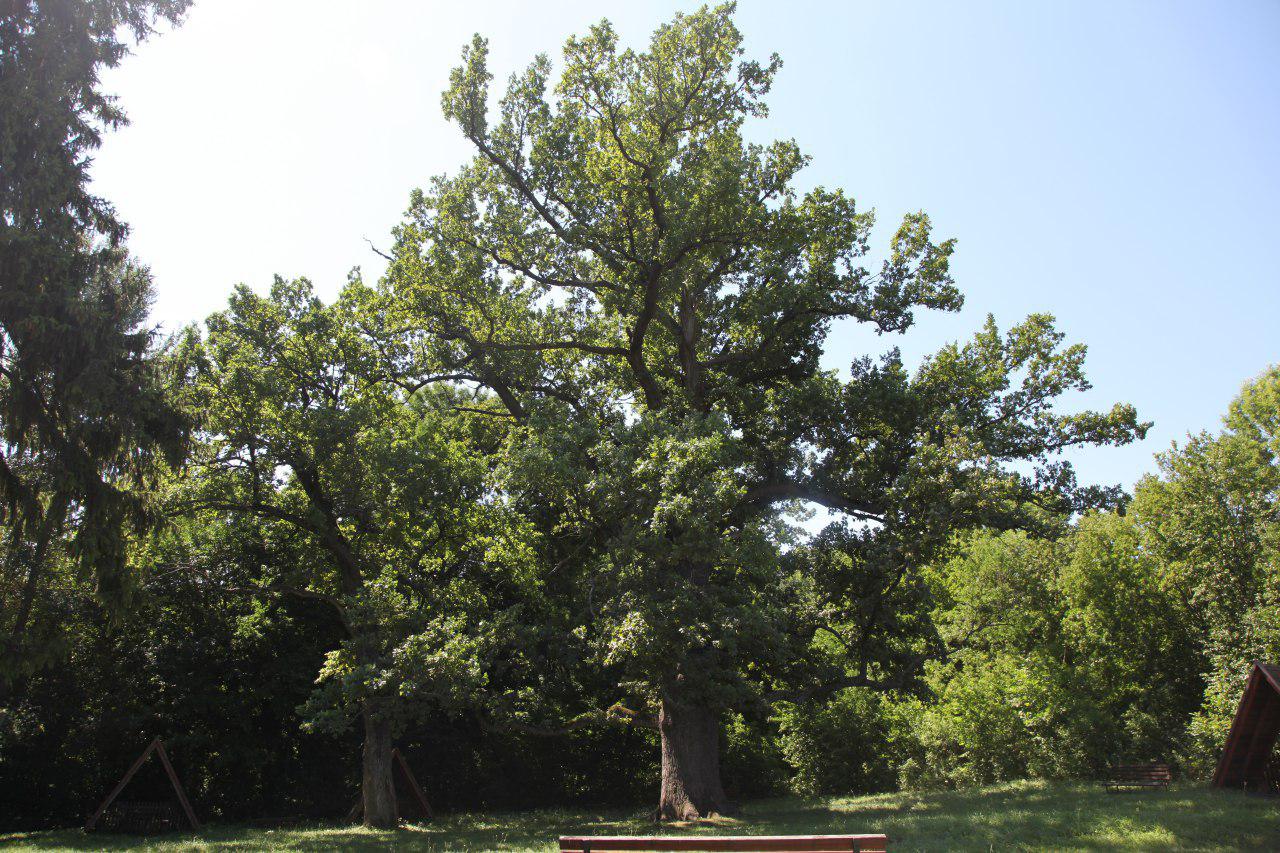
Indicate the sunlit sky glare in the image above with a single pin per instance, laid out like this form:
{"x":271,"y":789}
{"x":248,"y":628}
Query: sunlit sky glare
{"x":1116,"y":164}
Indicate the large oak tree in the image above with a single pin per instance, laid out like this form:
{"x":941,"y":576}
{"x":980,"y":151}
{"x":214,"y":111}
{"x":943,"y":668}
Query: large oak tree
{"x":306,"y":426}
{"x":649,"y":296}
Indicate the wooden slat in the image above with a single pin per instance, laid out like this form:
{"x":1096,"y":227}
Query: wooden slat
{"x":726,"y":843}
{"x":1140,"y":772}
{"x":1146,"y":775}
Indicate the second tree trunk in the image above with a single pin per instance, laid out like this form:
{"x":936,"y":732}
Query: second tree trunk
{"x":378,"y":788}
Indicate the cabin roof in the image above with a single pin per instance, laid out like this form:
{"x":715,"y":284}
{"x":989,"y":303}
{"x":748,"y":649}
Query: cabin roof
{"x":1253,"y":731}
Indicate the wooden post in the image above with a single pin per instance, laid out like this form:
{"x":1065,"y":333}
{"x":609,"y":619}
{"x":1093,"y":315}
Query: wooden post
{"x":413,"y":785}
{"x":177,"y":786}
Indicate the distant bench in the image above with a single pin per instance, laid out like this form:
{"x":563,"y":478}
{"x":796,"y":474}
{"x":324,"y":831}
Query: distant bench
{"x":1153,"y":775}
{"x":726,"y":843}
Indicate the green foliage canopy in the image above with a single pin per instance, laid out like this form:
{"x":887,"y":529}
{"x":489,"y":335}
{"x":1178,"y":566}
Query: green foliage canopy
{"x":381,"y":488}
{"x":648,"y":296}
{"x":1127,"y":637}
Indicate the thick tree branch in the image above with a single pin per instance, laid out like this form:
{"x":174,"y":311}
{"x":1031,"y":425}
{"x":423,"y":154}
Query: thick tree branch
{"x":767,"y":493}
{"x":635,"y":356}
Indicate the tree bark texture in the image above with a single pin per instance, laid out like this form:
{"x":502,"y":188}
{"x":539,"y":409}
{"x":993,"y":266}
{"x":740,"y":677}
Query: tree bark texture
{"x":691,"y":786}
{"x":378,"y":788}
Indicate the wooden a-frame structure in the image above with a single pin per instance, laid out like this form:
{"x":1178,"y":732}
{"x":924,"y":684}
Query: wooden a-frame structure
{"x":1245,"y":760}
{"x":414,"y":788}
{"x":156,"y":746}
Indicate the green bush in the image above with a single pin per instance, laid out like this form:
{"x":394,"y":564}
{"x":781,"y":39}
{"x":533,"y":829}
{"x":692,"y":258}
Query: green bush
{"x":995,"y":720}
{"x":846,"y":746}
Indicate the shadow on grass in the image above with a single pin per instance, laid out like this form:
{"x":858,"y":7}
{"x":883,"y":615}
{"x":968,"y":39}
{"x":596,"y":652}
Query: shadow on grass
{"x":1037,"y":815}
{"x":1023,"y":815}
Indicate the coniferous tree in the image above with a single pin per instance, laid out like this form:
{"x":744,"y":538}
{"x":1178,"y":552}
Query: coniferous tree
{"x":81,"y":408}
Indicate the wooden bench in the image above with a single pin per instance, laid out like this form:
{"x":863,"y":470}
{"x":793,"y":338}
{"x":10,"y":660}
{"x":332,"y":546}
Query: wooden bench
{"x":732,"y":843}
{"x":1153,"y":775}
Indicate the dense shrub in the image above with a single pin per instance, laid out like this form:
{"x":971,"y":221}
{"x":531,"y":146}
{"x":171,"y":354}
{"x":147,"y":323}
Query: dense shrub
{"x":1002,"y":718}
{"x":847,"y":745}
{"x":223,"y":682}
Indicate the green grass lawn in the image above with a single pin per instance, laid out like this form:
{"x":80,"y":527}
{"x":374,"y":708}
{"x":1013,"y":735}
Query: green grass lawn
{"x":1022,"y":815}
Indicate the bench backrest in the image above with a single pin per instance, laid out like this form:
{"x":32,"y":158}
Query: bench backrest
{"x":726,"y":843}
{"x":1154,"y":772}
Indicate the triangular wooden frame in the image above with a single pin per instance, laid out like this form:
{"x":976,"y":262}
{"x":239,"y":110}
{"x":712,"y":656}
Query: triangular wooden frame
{"x":1254,"y":732}
{"x":156,"y":746}
{"x":414,"y":788}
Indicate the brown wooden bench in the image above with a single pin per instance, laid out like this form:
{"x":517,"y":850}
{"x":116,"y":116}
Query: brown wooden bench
{"x":1153,"y":775}
{"x":731,"y":843}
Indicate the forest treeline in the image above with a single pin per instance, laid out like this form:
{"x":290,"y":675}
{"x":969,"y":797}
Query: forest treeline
{"x":531,"y":506}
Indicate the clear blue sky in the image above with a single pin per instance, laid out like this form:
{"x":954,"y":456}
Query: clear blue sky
{"x":1116,"y":164}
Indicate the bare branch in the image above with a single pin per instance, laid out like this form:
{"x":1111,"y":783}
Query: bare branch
{"x":378,"y":251}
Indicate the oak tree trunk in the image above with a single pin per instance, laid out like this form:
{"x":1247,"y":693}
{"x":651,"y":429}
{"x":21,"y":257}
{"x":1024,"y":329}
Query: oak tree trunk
{"x":378,"y":789}
{"x":691,"y":785}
